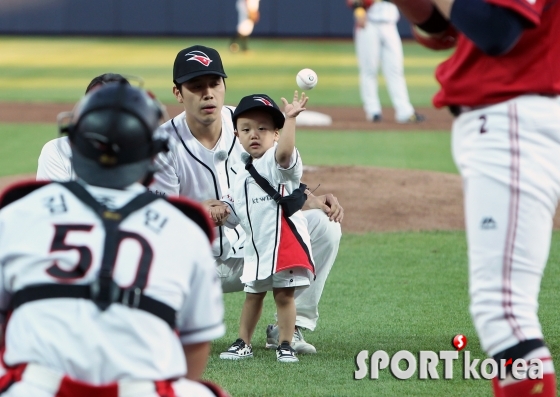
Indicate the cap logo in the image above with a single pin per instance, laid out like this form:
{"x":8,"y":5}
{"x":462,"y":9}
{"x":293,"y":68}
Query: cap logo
{"x":263,"y":100}
{"x":200,"y":57}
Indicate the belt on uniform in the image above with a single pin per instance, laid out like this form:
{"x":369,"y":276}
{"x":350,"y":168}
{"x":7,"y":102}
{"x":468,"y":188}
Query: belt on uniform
{"x":53,"y":382}
{"x":457,"y":110}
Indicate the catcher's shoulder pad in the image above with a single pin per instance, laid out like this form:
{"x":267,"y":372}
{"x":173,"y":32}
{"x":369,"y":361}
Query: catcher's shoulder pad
{"x":19,"y":190}
{"x":195,"y":212}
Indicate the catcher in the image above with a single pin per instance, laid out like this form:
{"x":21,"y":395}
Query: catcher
{"x":107,"y":300}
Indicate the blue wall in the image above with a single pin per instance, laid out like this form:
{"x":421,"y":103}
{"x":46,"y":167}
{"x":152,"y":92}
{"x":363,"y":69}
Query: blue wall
{"x":295,"y":18}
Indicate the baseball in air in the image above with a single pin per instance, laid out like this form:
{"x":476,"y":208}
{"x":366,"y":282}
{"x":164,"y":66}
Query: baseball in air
{"x":306,"y":79}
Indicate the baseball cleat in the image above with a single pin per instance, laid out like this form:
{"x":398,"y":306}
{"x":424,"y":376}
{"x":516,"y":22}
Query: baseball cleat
{"x":237,"y":351}
{"x":298,"y":342}
{"x":286,"y":353}
{"x":415,"y":118}
{"x":376,"y":118}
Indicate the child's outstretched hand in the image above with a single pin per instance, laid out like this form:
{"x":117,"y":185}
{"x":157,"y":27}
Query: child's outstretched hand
{"x":292,"y":110}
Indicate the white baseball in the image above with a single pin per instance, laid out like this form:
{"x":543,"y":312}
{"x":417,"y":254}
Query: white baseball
{"x":306,"y":79}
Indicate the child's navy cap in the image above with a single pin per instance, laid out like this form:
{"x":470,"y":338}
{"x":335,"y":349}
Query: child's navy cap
{"x":260,"y":102}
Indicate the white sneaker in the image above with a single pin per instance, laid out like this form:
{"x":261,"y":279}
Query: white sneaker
{"x":286,"y":354}
{"x":298,"y":343}
{"x":237,"y":351}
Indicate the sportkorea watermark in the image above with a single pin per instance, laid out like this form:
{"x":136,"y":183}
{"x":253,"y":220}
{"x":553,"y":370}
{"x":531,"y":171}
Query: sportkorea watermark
{"x":426,"y":363}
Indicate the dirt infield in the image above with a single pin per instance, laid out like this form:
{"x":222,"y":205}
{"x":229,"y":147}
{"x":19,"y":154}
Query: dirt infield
{"x":351,"y":118}
{"x":375,"y":199}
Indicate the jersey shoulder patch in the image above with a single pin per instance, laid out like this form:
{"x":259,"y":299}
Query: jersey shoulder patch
{"x":19,"y":190}
{"x":195,"y":212}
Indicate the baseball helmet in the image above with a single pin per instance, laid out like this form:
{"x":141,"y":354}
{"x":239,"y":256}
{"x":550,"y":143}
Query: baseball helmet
{"x":105,"y":78}
{"x":112,"y":135}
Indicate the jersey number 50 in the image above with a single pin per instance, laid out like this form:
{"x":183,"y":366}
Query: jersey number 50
{"x":85,"y":256}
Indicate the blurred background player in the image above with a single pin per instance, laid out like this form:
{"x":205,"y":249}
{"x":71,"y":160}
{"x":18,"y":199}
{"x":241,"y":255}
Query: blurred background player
{"x":378,"y":42}
{"x":54,"y":162}
{"x":107,"y":299}
{"x":247,"y":16}
{"x":502,"y":84}
{"x":279,"y":259}
{"x":203,"y":150}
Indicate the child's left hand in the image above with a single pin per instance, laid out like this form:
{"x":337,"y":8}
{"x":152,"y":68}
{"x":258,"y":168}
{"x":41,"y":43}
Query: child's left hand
{"x":292,"y":110}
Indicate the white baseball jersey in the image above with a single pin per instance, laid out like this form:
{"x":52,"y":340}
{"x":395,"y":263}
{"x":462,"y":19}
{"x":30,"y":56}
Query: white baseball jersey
{"x":54,"y":162}
{"x":191,"y":170}
{"x":274,"y":242}
{"x":50,"y":236}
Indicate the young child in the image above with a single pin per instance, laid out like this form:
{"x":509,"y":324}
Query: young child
{"x":278,"y":251}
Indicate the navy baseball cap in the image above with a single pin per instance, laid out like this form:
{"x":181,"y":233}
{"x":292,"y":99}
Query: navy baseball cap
{"x":260,"y":102}
{"x":196,"y":61}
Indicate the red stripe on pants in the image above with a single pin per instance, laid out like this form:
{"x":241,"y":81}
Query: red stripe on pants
{"x":164,"y":388}
{"x":12,"y":375}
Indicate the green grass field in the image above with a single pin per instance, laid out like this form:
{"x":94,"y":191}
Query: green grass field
{"x":387,"y":291}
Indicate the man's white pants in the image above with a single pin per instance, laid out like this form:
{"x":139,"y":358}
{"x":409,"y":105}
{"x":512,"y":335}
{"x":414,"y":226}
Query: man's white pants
{"x":325,"y":238}
{"x":380,"y":42}
{"x":509,"y":158}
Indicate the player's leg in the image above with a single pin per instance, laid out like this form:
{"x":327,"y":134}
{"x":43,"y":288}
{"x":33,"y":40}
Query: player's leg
{"x":250,"y":315}
{"x":286,"y":309}
{"x":239,"y":41}
{"x":507,"y":155}
{"x":367,"y":44}
{"x":392,"y":64}
{"x":229,"y":272}
{"x":325,"y":239}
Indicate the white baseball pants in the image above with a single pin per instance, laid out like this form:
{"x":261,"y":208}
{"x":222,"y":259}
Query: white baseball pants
{"x":39,"y":381}
{"x":377,"y":43}
{"x":325,"y":239}
{"x":509,"y":157}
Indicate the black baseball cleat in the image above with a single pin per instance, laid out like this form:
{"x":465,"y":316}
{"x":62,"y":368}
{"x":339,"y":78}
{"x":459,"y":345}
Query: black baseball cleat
{"x":376,"y":118}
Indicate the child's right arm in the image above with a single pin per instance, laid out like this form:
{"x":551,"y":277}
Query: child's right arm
{"x":287,"y":140}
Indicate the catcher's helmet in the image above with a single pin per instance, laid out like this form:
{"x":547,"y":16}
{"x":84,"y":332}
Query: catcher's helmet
{"x":112,"y":135}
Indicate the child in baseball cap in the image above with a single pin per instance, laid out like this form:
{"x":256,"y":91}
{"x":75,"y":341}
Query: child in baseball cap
{"x":266,"y":199}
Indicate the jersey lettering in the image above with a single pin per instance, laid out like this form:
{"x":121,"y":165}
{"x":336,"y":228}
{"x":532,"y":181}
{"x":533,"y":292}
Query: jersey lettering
{"x":483,"y":126}
{"x":146,"y":258}
{"x":154,"y":221}
{"x":80,"y":269}
{"x":56,"y":205}
{"x":58,"y":244}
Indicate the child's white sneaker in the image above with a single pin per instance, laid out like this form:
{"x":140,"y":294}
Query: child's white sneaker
{"x":237,"y":351}
{"x":286,"y":353}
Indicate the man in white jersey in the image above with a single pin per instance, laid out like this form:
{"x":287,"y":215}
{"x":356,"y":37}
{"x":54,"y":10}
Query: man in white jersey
{"x":203,"y":149}
{"x":116,"y":295}
{"x":54,"y":161}
{"x":378,"y":43}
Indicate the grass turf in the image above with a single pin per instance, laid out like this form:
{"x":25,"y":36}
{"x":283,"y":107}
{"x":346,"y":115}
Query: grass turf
{"x":22,"y":144}
{"x":57,"y":69}
{"x":392,"y":291}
